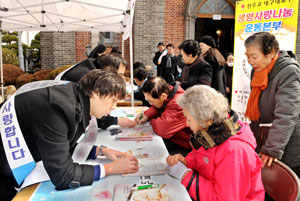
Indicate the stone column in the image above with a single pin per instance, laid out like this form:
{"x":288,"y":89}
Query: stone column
{"x":57,"y":49}
{"x":95,"y":39}
{"x":190,"y":27}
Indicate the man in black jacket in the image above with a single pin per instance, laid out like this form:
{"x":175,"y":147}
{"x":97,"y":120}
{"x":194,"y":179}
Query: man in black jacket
{"x":158,"y":57}
{"x":79,"y":70}
{"x":169,"y":65}
{"x":140,"y":76}
{"x":53,"y":118}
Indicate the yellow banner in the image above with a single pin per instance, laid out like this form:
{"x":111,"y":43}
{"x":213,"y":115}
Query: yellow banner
{"x":279,"y":17}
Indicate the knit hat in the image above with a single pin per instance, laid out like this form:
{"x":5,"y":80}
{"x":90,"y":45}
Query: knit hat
{"x":208,"y":40}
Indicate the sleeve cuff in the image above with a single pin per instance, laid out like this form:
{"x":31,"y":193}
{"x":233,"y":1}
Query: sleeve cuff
{"x":116,"y":121}
{"x":92,"y":154}
{"x":96,"y":173}
{"x":102,"y":172}
{"x":99,"y":172}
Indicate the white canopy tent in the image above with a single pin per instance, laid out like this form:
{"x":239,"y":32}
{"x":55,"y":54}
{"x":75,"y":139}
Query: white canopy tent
{"x":68,"y":15}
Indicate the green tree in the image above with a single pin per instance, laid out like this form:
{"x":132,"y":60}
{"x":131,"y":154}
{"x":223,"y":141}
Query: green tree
{"x":35,"y":46}
{"x":11,"y":42}
{"x":9,"y":56}
{"x":9,"y":39}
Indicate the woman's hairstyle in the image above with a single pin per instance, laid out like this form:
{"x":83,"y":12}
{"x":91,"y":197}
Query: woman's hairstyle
{"x":266,"y":41}
{"x":104,"y":83}
{"x":215,"y":53}
{"x":190,"y":47}
{"x":99,"y":49}
{"x":155,"y":86}
{"x":113,"y":60}
{"x":204,"y":103}
{"x":227,"y":55}
{"x":140,"y":73}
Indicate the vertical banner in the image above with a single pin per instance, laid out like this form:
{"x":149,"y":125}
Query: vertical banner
{"x":278,"y":17}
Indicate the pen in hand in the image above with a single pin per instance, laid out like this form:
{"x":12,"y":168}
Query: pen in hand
{"x":140,"y":118}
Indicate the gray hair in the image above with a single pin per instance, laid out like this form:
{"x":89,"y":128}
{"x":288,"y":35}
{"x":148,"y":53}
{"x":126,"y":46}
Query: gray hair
{"x":204,"y":103}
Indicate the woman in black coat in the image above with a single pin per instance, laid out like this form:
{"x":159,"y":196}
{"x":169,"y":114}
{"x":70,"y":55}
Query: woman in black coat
{"x":213,"y":56}
{"x":196,"y":70}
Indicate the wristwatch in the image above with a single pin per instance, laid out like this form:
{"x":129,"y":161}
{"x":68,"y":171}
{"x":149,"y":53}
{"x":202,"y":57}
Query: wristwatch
{"x":100,"y":153}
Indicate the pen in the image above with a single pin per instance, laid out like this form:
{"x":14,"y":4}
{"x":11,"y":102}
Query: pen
{"x":141,"y":116}
{"x":129,"y":196}
{"x":145,"y":187}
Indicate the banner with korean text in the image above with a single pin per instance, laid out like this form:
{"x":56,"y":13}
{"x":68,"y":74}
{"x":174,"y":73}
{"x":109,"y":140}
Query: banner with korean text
{"x":278,"y":17}
{"x":17,"y":153}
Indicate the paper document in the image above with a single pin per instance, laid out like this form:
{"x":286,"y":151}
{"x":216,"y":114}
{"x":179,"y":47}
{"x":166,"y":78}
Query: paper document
{"x":138,"y":133}
{"x":151,"y":161}
{"x":157,"y":192}
{"x":38,"y":174}
{"x":84,"y":147}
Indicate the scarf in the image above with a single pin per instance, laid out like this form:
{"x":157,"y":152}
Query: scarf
{"x":216,"y":134}
{"x":187,"y":68}
{"x":258,"y":83}
{"x":169,"y":61}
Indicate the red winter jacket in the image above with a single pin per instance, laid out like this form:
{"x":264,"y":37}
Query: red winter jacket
{"x":230,"y":171}
{"x":172,"y":123}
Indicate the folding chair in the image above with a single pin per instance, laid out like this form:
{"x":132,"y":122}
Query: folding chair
{"x":280,"y":182}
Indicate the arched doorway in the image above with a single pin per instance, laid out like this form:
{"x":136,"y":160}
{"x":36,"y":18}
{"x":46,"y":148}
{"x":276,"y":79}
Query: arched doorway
{"x":214,"y":18}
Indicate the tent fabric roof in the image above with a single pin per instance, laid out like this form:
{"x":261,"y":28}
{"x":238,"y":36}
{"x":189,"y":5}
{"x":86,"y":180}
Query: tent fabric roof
{"x":65,"y":15}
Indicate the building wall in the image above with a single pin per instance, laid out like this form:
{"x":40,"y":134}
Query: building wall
{"x":82,"y":39}
{"x":46,"y":40}
{"x":126,"y":49}
{"x":174,"y":22}
{"x":170,"y":21}
{"x":57,"y":49}
{"x":148,"y":29}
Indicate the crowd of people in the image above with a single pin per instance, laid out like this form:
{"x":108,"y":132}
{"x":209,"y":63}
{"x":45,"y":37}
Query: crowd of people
{"x":215,"y":155}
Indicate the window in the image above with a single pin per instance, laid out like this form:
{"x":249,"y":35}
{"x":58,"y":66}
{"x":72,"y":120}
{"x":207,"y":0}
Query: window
{"x":108,"y":37}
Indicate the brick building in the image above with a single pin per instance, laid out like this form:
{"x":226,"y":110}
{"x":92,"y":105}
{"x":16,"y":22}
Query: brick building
{"x":170,"y":21}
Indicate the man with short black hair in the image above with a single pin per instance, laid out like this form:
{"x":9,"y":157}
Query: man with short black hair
{"x":169,"y":65}
{"x":158,"y":56}
{"x":51,"y":120}
{"x":102,"y":62}
{"x":140,"y":76}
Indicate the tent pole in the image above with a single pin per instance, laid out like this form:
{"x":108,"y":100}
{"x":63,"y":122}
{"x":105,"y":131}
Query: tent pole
{"x":1,"y":62}
{"x":21,"y":56}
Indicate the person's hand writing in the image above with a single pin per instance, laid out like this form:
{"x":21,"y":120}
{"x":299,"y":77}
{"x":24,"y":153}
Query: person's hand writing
{"x":267,"y":160}
{"x":125,"y":122}
{"x":113,"y":154}
{"x":122,"y":166}
{"x":179,"y":170}
{"x":141,"y":119}
{"x":173,"y":159}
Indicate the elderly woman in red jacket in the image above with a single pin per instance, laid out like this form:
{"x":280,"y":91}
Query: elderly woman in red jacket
{"x":165,"y":115}
{"x":223,"y":164}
